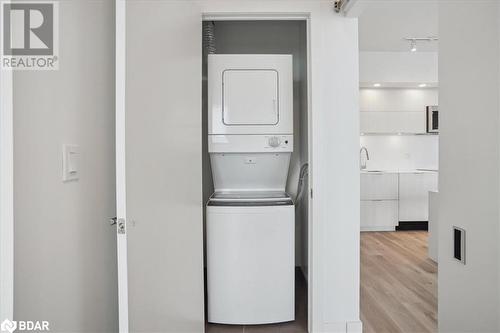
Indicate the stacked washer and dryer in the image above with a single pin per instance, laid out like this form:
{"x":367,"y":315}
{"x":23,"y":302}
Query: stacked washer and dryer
{"x":250,"y":218}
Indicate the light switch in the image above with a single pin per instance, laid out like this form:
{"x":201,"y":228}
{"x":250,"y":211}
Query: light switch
{"x":71,"y":156}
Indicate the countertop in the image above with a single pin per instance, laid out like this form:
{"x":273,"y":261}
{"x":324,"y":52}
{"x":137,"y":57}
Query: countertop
{"x":375,"y":171}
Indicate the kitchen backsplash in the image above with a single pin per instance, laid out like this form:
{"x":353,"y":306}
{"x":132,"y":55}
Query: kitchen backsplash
{"x":403,"y":152}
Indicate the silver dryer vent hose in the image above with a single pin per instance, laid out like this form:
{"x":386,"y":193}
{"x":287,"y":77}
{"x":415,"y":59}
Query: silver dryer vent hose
{"x":209,"y":37}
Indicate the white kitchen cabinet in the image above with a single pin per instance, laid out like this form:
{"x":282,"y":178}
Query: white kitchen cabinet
{"x":414,"y":195}
{"x":393,"y":122}
{"x":379,"y":186}
{"x":379,"y":215}
{"x":379,"y":201}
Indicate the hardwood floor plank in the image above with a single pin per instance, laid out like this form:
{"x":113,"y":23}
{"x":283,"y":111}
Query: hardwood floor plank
{"x":398,"y":283}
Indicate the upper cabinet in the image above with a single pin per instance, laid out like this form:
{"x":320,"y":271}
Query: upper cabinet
{"x":394,"y":111}
{"x":393,"y":122}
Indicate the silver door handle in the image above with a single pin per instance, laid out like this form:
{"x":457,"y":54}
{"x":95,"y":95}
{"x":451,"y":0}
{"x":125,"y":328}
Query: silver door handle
{"x":113,"y":220}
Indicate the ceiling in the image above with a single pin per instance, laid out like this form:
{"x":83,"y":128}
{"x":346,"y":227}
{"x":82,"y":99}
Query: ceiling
{"x":384,"y":23}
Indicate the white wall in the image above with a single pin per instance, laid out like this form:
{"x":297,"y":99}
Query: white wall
{"x":6,"y":198}
{"x":65,"y":250}
{"x":397,"y":68}
{"x":401,"y":152}
{"x":469,"y":64}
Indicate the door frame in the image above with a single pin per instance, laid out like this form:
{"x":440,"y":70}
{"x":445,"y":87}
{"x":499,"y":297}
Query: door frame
{"x":6,"y":196}
{"x":291,"y":16}
{"x":121,"y":199}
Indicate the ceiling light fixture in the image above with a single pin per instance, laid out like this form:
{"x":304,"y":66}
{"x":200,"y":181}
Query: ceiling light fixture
{"x":422,"y":85}
{"x":377,"y":85}
{"x":413,"y":41}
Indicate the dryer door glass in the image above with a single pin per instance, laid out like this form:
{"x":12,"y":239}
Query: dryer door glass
{"x":250,"y":97}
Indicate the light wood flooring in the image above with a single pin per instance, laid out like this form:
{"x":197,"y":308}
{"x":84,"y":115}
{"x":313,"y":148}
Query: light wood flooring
{"x":398,"y":283}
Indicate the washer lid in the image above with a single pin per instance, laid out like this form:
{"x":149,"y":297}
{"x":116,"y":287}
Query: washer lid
{"x":250,"y":198}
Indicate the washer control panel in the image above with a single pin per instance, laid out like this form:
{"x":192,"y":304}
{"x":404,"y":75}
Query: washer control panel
{"x":274,"y":141}
{"x":250,"y":143}
{"x":278,"y":141}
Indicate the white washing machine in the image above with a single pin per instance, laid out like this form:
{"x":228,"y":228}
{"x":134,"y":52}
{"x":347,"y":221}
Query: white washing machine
{"x":250,"y":217}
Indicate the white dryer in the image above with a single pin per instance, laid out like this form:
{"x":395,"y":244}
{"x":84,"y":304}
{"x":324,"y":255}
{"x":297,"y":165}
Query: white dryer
{"x":250,"y":94}
{"x":250,"y":217}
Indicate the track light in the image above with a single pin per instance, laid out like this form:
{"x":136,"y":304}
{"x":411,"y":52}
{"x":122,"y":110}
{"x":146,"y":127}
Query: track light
{"x":413,"y":41}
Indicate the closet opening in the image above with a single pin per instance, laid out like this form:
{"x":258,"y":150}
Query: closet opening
{"x":255,"y":130}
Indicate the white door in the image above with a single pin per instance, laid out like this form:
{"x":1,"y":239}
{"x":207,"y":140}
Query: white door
{"x":158,"y":157}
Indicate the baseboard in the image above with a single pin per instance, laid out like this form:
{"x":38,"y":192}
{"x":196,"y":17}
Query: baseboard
{"x":354,"y":327}
{"x":342,"y":327}
{"x":412,"y":225}
{"x":390,"y":228}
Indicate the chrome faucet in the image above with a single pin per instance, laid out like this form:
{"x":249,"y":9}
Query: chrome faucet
{"x":361,"y":161}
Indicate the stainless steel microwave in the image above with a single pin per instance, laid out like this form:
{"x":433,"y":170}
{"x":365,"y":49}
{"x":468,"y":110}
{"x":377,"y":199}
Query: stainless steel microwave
{"x":432,"y":119}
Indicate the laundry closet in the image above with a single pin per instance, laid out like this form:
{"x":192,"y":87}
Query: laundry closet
{"x":255,"y":170}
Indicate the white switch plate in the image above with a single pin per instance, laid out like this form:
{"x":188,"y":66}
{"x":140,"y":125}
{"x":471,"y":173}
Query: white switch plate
{"x":71,"y":157}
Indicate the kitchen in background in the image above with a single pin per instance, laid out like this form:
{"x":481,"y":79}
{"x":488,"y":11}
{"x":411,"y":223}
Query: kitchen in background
{"x":399,"y":166}
{"x":399,"y":156}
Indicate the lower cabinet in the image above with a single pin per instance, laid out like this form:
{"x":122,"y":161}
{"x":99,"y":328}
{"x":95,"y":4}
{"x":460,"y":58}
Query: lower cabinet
{"x":414,"y":195}
{"x":379,"y":215}
{"x":390,"y":198}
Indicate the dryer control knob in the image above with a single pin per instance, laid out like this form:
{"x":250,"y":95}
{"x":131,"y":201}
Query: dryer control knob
{"x":274,"y":141}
